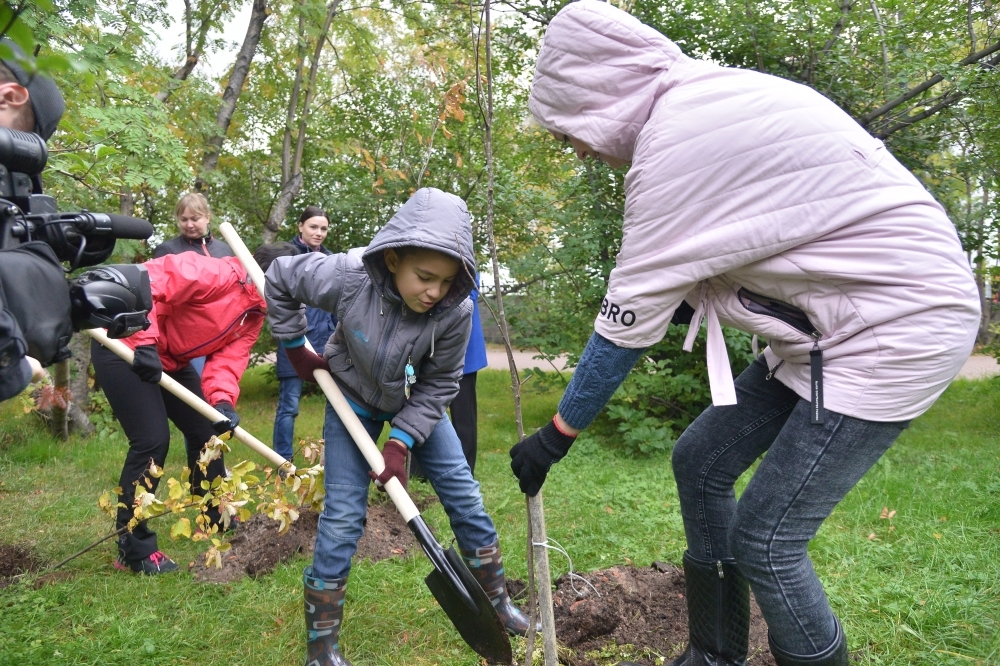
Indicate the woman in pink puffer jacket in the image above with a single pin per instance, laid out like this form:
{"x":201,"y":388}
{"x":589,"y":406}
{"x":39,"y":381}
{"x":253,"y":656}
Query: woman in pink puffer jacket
{"x":753,"y":202}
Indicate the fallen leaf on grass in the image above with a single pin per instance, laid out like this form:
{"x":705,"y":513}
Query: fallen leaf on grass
{"x":871,"y":537}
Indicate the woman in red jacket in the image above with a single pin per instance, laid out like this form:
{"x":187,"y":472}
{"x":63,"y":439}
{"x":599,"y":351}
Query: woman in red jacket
{"x":202,"y":306}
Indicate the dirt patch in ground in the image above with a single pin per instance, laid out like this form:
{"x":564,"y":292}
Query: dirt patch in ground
{"x":257,"y":548}
{"x":642,"y":608}
{"x":18,"y":559}
{"x":15,"y":560}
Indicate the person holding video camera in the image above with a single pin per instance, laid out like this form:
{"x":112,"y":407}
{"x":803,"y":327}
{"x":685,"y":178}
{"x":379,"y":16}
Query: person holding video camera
{"x":30,"y":104}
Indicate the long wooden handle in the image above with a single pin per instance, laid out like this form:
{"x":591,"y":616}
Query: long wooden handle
{"x":369,"y":450}
{"x":166,"y":381}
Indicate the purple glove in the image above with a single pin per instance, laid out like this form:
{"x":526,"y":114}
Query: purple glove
{"x":305,"y":362}
{"x":394,"y":453}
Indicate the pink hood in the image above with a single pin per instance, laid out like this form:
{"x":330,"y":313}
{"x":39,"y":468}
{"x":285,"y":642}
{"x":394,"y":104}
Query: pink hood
{"x":742,"y":182}
{"x":598,"y":75}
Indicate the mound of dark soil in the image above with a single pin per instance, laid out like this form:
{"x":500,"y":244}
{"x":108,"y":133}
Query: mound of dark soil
{"x":257,"y":547}
{"x":644,"y":608}
{"x":16,"y":559}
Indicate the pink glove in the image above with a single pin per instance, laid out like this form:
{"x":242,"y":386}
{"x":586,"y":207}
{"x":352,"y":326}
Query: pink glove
{"x":305,"y":362}
{"x":394,"y":453}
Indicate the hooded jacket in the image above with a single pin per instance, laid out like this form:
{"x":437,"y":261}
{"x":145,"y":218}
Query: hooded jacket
{"x":203,"y":307}
{"x":377,"y":334}
{"x":207,"y":245}
{"x":321,"y":324}
{"x":767,"y":208}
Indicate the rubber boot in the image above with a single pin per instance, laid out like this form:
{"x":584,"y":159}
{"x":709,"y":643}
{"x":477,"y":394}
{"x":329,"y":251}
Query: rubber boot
{"x":718,"y":601}
{"x":835,"y":655}
{"x":486,"y":565}
{"x":324,"y":613}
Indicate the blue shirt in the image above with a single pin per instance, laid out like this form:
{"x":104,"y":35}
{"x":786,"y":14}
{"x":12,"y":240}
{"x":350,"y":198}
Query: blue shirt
{"x":475,"y":353}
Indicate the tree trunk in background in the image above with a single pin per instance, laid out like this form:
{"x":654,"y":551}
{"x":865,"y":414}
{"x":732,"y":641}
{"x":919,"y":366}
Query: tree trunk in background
{"x":233,"y":89}
{"x":291,"y":166}
{"x":79,"y":385}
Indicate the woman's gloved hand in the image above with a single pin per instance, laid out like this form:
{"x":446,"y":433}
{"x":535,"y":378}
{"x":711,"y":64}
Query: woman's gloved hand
{"x":305,"y":362}
{"x":228,"y":424}
{"x":531,"y":458}
{"x":146,"y":364}
{"x":394,"y":453}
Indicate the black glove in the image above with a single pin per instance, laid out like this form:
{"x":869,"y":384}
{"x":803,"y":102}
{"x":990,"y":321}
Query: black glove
{"x":147,"y":364}
{"x":227,"y":425}
{"x":531,"y":459}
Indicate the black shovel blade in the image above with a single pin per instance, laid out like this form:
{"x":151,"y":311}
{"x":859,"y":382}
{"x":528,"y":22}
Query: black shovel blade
{"x":482,"y":630}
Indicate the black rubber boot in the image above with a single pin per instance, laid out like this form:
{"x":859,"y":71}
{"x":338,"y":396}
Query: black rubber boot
{"x":718,"y":601}
{"x":835,"y":655}
{"x":486,"y":565}
{"x":324,"y":613}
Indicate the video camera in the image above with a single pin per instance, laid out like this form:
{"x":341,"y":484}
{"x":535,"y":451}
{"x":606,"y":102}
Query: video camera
{"x":115,"y":297}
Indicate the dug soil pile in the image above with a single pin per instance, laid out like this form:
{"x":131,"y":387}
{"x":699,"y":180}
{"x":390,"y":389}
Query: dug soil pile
{"x":15,"y":560}
{"x":642,"y":608}
{"x":257,"y":547}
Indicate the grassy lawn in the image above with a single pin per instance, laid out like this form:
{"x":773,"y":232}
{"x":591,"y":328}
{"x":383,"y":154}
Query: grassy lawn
{"x":922,"y":587}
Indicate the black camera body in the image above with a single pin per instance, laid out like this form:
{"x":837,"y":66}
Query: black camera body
{"x":114,"y":297}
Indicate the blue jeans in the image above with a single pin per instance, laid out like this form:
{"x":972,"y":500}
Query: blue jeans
{"x":289,"y":392}
{"x":346,"y":482}
{"x":805,"y":473}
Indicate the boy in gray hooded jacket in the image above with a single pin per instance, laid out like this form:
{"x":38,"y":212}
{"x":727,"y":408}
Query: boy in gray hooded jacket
{"x":404,"y":319}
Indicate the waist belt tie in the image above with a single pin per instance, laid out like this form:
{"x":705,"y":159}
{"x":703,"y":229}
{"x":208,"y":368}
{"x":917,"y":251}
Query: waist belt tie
{"x":720,"y":376}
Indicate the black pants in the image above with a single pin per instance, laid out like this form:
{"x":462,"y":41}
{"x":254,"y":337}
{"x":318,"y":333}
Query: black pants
{"x":143,"y":410}
{"x":464,"y":418}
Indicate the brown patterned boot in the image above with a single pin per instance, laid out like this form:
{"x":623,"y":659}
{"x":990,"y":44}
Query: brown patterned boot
{"x":324,"y":613}
{"x":486,"y":565}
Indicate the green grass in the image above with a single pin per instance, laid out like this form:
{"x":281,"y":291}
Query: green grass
{"x":924,"y":590}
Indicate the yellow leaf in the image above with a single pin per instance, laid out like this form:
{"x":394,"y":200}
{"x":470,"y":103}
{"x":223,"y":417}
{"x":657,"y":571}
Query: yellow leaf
{"x":182,"y":528}
{"x":155,"y":470}
{"x":937,"y":536}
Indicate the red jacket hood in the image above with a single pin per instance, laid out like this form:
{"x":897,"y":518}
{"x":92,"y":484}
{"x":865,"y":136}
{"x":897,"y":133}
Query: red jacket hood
{"x":203,"y":306}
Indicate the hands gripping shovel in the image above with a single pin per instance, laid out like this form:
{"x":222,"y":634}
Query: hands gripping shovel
{"x":451,"y":582}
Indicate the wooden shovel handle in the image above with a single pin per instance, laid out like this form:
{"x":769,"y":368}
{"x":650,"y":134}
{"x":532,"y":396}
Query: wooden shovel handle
{"x":369,"y":450}
{"x":194,"y":402}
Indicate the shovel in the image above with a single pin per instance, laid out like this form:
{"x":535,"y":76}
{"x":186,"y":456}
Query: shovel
{"x":194,"y":402}
{"x":451,"y":582}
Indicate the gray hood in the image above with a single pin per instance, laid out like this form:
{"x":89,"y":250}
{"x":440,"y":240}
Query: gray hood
{"x":433,"y":220}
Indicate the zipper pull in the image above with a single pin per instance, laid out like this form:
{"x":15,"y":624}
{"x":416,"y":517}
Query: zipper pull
{"x":816,"y":381}
{"x":411,"y":377}
{"x":244,"y":318}
{"x":718,"y":565}
{"x":770,"y":373}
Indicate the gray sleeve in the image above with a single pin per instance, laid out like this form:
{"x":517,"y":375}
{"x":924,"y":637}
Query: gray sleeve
{"x":294,"y":282}
{"x":437,"y":380}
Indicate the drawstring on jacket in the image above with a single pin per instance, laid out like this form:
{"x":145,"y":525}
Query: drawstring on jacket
{"x":434,"y":329}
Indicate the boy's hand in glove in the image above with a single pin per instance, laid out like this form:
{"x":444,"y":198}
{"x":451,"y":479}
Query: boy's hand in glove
{"x":394,"y":453}
{"x":305,"y":361}
{"x":531,"y":459}
{"x":227,"y":425}
{"x":147,"y":364}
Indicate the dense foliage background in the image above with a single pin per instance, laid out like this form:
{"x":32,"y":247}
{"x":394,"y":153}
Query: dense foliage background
{"x":353,"y":105}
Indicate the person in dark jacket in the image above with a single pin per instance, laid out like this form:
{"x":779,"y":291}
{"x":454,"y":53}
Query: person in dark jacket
{"x":313,"y":228}
{"x":403,"y":325}
{"x":193,"y":219}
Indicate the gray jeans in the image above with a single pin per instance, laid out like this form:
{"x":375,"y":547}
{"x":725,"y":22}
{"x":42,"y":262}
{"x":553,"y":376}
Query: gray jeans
{"x":808,"y":469}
